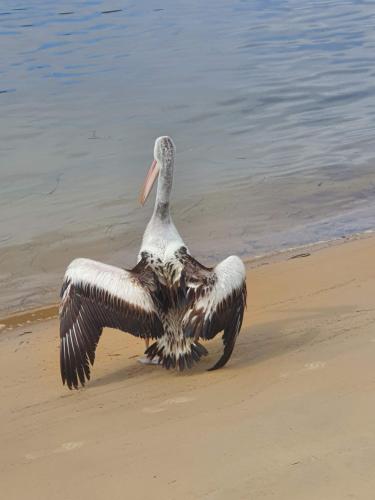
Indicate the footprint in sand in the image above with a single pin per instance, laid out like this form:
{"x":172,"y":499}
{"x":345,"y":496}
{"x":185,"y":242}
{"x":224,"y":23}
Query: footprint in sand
{"x":168,"y":402}
{"x":315,"y":366}
{"x":73,"y":445}
{"x":65,"y":447}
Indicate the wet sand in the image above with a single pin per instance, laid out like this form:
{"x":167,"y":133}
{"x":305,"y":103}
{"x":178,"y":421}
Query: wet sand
{"x":291,"y":416}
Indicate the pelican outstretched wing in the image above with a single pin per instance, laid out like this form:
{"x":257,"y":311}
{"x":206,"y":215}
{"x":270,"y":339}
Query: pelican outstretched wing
{"x":217,"y":299}
{"x":94,"y":296}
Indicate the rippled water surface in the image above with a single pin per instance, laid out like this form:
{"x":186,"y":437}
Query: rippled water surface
{"x":270,"y":103}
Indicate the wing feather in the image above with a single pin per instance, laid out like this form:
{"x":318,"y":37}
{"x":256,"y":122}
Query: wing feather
{"x":217,"y":302}
{"x":94,"y":296}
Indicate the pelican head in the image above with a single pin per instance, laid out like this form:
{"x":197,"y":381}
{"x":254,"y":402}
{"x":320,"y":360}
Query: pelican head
{"x":164,"y":153}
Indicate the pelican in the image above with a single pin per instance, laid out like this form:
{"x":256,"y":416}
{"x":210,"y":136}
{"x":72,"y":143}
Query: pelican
{"x":168,"y":296}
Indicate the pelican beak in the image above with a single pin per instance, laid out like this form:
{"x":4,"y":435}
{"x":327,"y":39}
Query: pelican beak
{"x":149,"y":182}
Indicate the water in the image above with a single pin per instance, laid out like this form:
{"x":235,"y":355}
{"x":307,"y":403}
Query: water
{"x":270,"y":103}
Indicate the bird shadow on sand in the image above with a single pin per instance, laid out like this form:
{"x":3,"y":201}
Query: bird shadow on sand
{"x":128,"y":372}
{"x":138,"y":372}
{"x":268,"y":340}
{"x":255,"y":344}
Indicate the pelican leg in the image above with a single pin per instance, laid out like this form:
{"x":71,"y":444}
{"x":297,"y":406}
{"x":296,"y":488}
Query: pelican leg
{"x":145,"y":360}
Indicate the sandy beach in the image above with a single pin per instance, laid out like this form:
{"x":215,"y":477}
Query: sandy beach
{"x":290,"y":417}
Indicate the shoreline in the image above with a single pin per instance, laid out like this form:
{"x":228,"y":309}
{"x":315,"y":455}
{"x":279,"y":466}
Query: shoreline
{"x":50,"y":311}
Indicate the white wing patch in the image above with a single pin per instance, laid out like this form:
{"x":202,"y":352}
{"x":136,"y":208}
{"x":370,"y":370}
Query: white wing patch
{"x":230,"y":276}
{"x":115,"y":281}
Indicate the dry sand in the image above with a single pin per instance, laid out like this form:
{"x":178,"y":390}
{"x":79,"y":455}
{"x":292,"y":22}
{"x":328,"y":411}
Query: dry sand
{"x":292,"y":416}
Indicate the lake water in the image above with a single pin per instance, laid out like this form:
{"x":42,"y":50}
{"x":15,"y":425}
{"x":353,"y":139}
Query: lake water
{"x":270,"y":103}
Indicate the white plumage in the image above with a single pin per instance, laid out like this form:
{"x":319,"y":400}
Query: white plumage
{"x":116,"y":282}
